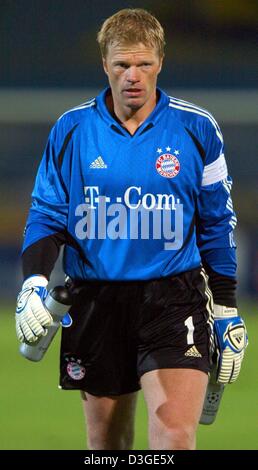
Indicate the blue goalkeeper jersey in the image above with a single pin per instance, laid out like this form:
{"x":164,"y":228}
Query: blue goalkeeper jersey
{"x":140,"y":206}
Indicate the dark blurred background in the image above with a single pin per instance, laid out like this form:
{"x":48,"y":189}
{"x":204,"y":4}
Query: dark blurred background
{"x":49,"y":62}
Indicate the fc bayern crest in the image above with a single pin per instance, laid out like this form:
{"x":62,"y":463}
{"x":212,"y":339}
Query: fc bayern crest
{"x":75,"y":370}
{"x":167,"y":165}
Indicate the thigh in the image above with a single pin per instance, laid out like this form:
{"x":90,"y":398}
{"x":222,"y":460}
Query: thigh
{"x":110,"y":420}
{"x":174,"y":397}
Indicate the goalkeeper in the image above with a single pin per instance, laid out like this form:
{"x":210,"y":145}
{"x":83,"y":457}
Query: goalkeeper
{"x":134,"y":184}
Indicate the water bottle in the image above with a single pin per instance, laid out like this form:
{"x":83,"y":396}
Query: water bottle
{"x":58,"y":302}
{"x":212,"y":400}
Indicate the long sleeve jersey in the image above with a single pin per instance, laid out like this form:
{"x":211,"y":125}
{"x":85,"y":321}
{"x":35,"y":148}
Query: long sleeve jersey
{"x":135,"y":207}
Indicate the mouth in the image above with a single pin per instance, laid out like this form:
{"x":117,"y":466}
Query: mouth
{"x":133,"y":92}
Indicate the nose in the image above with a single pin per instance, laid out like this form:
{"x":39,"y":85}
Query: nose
{"x":132,"y":75}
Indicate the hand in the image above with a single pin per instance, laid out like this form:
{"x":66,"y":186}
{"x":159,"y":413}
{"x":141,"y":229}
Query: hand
{"x":230,"y":343}
{"x":32,"y":317}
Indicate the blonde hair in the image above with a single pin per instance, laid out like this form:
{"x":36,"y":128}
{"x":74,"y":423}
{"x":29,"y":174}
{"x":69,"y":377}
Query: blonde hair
{"x":131,"y":26}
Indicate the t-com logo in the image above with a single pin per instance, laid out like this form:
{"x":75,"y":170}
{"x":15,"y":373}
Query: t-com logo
{"x":132,"y":216}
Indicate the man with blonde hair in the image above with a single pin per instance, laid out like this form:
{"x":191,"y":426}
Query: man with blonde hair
{"x":134,"y":183}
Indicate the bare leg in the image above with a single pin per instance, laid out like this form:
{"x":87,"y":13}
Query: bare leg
{"x":110,"y":421}
{"x":174,"y":399}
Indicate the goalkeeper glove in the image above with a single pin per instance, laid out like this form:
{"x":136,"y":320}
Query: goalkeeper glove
{"x":230,"y":343}
{"x":32,"y":317}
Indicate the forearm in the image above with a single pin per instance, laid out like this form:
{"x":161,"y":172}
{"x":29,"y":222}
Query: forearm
{"x":223,"y":288}
{"x":40,"y":257}
{"x":220,"y":265}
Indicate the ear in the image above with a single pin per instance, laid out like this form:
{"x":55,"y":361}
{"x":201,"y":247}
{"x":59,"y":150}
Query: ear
{"x":104,"y":62}
{"x":160,"y":64}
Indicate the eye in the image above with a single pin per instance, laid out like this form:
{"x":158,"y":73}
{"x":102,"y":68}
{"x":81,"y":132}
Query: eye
{"x":122,"y":65}
{"x":146,"y":65}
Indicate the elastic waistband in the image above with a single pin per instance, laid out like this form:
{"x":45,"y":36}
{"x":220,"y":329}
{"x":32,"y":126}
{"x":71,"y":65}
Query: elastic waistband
{"x":97,"y":282}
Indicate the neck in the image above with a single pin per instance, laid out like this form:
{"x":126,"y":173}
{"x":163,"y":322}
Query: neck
{"x":130,"y":118}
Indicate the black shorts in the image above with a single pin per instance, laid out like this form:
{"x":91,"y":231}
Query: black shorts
{"x":120,"y":330}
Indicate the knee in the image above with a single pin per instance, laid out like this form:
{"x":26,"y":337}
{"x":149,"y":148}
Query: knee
{"x":181,"y":437}
{"x":172,"y":431}
{"x":173,"y":437}
{"x":110,"y":440}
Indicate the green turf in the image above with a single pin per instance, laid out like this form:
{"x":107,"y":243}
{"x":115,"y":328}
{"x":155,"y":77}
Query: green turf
{"x":35,"y":414}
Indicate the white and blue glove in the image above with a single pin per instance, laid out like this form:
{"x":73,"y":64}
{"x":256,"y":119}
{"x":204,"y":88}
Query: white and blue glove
{"x":230,"y":343}
{"x":32,"y":318}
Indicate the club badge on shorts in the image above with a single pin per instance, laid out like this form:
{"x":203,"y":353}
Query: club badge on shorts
{"x":75,"y":370}
{"x":167,"y":165}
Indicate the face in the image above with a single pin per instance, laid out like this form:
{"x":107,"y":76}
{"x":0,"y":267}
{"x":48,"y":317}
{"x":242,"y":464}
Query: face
{"x":132,"y":72}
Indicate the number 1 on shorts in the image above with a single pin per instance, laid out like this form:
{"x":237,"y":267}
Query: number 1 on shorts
{"x":190,"y":326}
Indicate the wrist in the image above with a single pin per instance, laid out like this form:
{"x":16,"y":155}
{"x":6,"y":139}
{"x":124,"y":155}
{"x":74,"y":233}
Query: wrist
{"x":35,"y":280}
{"x":221,"y":311}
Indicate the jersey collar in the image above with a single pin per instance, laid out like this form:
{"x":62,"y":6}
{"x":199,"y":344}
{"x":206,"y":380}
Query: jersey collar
{"x":150,"y":121}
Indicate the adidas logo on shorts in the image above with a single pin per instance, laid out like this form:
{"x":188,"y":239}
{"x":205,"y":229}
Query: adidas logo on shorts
{"x":98,"y":163}
{"x":193,"y":352}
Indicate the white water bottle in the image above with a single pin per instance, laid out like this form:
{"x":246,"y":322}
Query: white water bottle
{"x":58,"y":302}
{"x":212,"y":400}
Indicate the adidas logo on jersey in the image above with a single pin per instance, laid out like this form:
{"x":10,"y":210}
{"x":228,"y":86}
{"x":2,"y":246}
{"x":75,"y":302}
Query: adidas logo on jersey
{"x":98,"y":163}
{"x":193,"y":351}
